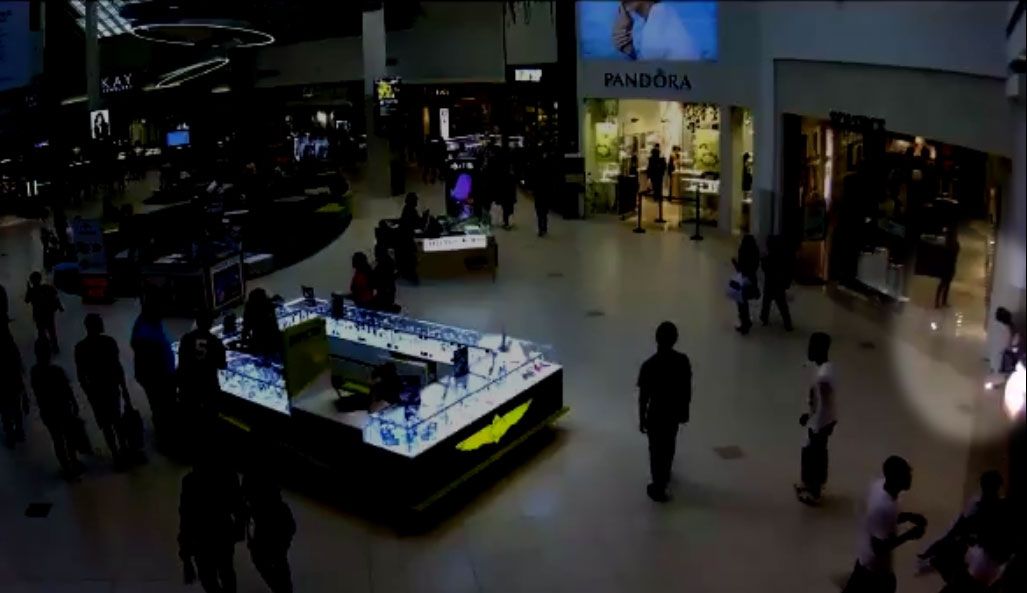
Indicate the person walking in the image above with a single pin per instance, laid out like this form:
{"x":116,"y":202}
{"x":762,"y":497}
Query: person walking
{"x":155,"y":364}
{"x":874,"y":571}
{"x":211,"y":520}
{"x":545,"y":187}
{"x":664,"y":396}
{"x":269,"y":533}
{"x":58,"y":408}
{"x":655,"y":170}
{"x":99,"y":370}
{"x":383,"y":280}
{"x":201,"y":355}
{"x":819,"y":421}
{"x":777,"y":279}
{"x":45,"y":304}
{"x":746,"y":265}
{"x":14,"y":399}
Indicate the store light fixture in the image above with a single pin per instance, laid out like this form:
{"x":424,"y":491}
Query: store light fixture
{"x":221,"y":88}
{"x":190,"y":72}
{"x":150,"y":32}
{"x":74,"y":100}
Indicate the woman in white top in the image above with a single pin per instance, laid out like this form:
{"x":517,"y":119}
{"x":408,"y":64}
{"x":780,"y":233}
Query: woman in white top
{"x":662,"y":35}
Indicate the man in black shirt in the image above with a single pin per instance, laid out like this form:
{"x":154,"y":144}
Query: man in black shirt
{"x":98,"y":364}
{"x":664,"y":394}
{"x":45,"y":303}
{"x":200,"y":355}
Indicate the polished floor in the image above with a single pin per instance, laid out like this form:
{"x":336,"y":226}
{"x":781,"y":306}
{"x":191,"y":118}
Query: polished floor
{"x":575,"y":517}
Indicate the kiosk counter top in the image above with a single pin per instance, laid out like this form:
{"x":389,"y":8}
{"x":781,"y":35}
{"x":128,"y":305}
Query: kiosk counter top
{"x":500,"y":369}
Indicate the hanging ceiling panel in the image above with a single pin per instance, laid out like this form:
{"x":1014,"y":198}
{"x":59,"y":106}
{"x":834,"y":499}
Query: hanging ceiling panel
{"x":108,"y":21}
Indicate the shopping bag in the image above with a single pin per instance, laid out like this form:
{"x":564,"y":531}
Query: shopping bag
{"x":131,"y":428}
{"x":736,"y":288}
{"x":79,"y":436}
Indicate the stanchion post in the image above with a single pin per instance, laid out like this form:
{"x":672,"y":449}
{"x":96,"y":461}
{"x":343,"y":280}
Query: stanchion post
{"x":638,"y":214}
{"x":697,"y":235}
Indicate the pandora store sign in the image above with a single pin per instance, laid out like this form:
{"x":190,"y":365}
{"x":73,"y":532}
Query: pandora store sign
{"x":646,"y":80}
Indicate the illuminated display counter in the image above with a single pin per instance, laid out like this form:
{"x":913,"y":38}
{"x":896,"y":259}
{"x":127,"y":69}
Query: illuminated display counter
{"x":452,"y":426}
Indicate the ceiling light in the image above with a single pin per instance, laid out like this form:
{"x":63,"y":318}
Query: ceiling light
{"x":73,"y":100}
{"x":223,"y":88}
{"x":190,"y":72}
{"x":165,"y":33}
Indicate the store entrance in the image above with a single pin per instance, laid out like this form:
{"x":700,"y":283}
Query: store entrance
{"x":623,"y":136}
{"x":899,"y":217}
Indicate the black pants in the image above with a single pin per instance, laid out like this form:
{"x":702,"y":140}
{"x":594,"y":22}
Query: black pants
{"x":216,"y":570}
{"x":864,"y":581}
{"x":744,"y":320}
{"x":507,"y":213}
{"x":160,"y":393}
{"x":273,"y":566}
{"x":542,"y":214}
{"x":814,"y":460}
{"x":107,"y":411}
{"x":63,"y":446}
{"x":941,"y":295}
{"x":662,"y":443}
{"x":779,"y":298}
{"x":12,"y":418}
{"x":46,"y":329}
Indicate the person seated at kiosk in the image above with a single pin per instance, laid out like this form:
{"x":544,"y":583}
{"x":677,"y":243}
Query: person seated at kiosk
{"x":361,"y":287}
{"x":260,"y":333}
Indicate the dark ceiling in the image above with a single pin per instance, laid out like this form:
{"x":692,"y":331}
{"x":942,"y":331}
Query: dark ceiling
{"x":288,"y":20}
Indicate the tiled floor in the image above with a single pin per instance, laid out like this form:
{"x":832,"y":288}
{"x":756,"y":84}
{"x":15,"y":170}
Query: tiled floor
{"x":575,"y":517}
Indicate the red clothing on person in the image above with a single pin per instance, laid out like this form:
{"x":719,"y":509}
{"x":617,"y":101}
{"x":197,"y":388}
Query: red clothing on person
{"x":361,"y":289}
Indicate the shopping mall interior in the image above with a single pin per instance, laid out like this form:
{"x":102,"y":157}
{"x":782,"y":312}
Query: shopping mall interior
{"x":371,"y":296}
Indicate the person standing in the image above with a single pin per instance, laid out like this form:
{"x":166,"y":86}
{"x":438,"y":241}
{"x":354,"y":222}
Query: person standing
{"x":948,"y":270}
{"x":384,"y":283}
{"x":201,"y":355}
{"x":211,"y":519}
{"x":874,"y":571}
{"x":269,"y":533}
{"x":819,"y":421}
{"x":45,"y":304}
{"x":155,"y":364}
{"x":664,"y":396}
{"x":98,"y":366}
{"x":58,"y":408}
{"x":655,"y":170}
{"x":545,"y":187}
{"x":14,"y":400}
{"x":746,"y":265}
{"x":777,"y":279}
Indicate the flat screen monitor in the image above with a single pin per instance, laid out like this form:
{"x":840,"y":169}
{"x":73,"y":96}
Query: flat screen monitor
{"x":647,"y":31}
{"x":178,"y":138}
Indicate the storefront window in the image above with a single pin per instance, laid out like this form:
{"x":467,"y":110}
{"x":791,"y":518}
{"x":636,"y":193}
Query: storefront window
{"x":621,"y":134}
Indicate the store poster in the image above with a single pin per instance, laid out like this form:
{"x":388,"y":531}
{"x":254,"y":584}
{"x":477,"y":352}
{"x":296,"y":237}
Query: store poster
{"x":87,"y":235}
{"x":305,"y":355}
{"x":606,"y":140}
{"x":100,"y":124}
{"x":226,"y":283}
{"x":15,"y":44}
{"x":647,"y":31}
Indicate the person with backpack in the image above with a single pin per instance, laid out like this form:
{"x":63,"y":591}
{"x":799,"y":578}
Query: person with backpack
{"x":45,"y":304}
{"x":98,"y":365}
{"x":58,"y":408}
{"x":269,"y":533}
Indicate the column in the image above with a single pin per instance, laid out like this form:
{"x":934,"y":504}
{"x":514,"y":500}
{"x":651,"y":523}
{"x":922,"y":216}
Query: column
{"x":766,"y":199}
{"x":727,"y":170}
{"x":92,"y":57}
{"x":373,"y":41}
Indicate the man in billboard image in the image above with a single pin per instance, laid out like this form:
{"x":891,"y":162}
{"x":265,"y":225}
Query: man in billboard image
{"x":661,"y":35}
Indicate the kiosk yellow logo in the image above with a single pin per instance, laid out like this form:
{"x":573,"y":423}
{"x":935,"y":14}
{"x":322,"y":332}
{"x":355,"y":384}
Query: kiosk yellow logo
{"x":491,"y":434}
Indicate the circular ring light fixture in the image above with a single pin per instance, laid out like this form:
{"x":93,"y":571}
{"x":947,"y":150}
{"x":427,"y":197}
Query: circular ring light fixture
{"x":187,"y":73}
{"x":203,"y":33}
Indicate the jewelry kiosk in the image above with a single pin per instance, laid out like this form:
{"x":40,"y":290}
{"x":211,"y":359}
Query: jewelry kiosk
{"x":478,"y":397}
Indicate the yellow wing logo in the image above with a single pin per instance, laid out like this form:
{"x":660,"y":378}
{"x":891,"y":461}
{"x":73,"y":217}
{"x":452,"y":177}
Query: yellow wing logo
{"x":491,"y":434}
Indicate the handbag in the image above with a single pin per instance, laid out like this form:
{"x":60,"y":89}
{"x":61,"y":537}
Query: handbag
{"x":736,"y":288}
{"x":1009,"y":357}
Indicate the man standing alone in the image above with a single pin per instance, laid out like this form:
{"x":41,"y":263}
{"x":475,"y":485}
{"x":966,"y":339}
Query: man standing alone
{"x":820,"y":421}
{"x":664,"y":395}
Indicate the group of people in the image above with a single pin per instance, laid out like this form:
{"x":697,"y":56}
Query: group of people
{"x":777,"y":273}
{"x":970,"y":556}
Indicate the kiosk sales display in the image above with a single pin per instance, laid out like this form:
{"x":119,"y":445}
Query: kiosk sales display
{"x":470,"y":399}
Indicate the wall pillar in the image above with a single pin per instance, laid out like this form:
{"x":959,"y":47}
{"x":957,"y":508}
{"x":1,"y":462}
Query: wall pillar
{"x":92,"y":57}
{"x":729,"y":169}
{"x":378,"y":169}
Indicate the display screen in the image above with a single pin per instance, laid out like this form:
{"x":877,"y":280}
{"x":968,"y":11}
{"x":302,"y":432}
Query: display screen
{"x":308,"y":147}
{"x":178,"y":138}
{"x":226,"y":283}
{"x":647,"y":30}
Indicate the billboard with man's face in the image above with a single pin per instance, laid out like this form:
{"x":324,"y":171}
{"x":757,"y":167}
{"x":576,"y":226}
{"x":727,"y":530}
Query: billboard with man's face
{"x":645,"y":30}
